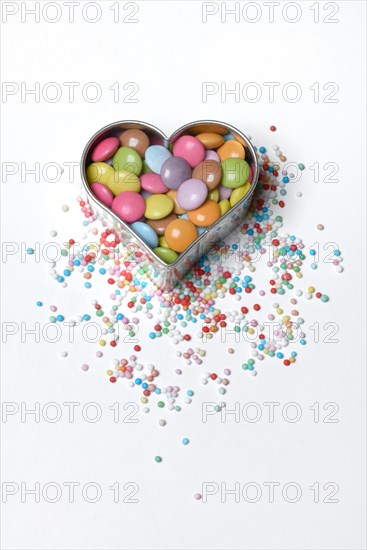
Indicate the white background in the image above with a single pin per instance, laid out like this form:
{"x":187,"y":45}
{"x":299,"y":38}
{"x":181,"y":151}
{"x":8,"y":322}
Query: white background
{"x":169,"y":53}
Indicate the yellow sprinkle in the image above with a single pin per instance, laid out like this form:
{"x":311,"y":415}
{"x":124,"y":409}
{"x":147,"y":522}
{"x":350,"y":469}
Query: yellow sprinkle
{"x":311,"y":289}
{"x":250,"y":330}
{"x":144,"y":400}
{"x":110,"y":372}
{"x":279,"y":311}
{"x":102,"y":342}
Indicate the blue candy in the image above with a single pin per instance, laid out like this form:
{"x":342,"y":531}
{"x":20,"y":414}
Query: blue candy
{"x":146,"y":233}
{"x":155,"y":156}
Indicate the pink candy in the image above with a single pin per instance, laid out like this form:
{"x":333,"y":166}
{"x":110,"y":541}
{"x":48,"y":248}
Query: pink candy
{"x":105,"y":149}
{"x":190,"y":149}
{"x":152,"y":183}
{"x":102,"y":193}
{"x":129,"y":206}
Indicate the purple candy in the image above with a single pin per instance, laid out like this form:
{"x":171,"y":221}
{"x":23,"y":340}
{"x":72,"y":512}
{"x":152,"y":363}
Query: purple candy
{"x":212,"y":155}
{"x":192,"y":194}
{"x":175,"y":171}
{"x":224,"y":192}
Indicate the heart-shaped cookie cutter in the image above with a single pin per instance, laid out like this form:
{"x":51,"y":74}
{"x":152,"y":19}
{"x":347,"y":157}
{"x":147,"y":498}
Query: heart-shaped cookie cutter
{"x":163,"y":275}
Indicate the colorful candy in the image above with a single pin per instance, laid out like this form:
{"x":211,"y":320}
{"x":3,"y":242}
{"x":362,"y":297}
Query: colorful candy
{"x":105,"y":149}
{"x":158,"y":207}
{"x":175,"y":171}
{"x":180,"y":234}
{"x":129,"y":206}
{"x":210,"y":172}
{"x":135,"y":139}
{"x":128,"y":159}
{"x":206,"y":214}
{"x":190,"y":149}
{"x":191,"y":194}
{"x":102,"y":193}
{"x":198,"y":178}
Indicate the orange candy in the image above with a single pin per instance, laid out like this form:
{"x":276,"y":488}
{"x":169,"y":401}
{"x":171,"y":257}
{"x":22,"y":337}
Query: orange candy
{"x":180,"y":234}
{"x":177,"y":208}
{"x":231,"y":149}
{"x":210,"y":140}
{"x":206,"y":214}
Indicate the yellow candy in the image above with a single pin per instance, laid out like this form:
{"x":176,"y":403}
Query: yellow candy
{"x":239,"y":193}
{"x":158,"y":206}
{"x":109,"y":372}
{"x":102,"y":342}
{"x":311,"y":289}
{"x":163,"y":242}
{"x":224,"y":206}
{"x":122,"y":180}
{"x":214,"y":195}
{"x":99,"y":171}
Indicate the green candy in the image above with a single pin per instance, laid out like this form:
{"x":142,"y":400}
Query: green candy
{"x":235,"y":172}
{"x":146,"y":169}
{"x":166,"y":254}
{"x":128,"y":159}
